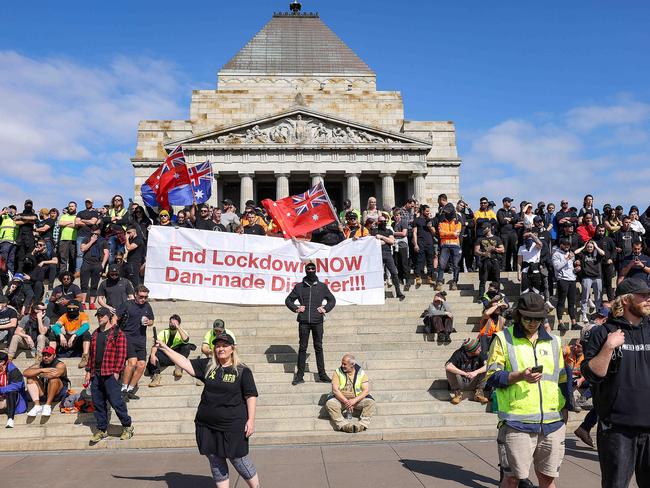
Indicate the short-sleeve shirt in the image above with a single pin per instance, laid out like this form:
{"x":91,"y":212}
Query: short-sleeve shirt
{"x":72,"y":325}
{"x":386,"y":249}
{"x":210,"y":335}
{"x":494,"y":241}
{"x":95,"y":254}
{"x":425,"y":238}
{"x":7,"y":315}
{"x":30,"y":326}
{"x":84,"y":231}
{"x":223,"y":400}
{"x":132,"y":313}
{"x":636,"y":273}
{"x":465,"y":362}
{"x":531,"y":255}
{"x":136,"y":256}
{"x":116,"y":291}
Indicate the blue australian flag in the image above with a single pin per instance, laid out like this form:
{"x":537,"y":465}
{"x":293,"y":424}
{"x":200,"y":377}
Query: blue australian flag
{"x":201,"y":179}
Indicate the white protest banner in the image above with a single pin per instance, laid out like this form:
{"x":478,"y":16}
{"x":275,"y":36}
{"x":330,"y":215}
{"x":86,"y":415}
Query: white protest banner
{"x":222,"y":267}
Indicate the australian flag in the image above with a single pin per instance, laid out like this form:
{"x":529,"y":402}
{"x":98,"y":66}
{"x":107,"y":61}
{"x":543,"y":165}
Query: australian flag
{"x":201,"y":179}
{"x":169,"y":184}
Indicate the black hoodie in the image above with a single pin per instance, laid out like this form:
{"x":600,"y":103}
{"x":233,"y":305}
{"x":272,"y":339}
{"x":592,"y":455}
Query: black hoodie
{"x":311,"y":295}
{"x":622,"y":397}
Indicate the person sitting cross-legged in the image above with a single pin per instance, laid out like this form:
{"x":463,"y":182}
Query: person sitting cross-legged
{"x":466,"y":370}
{"x":350,"y":391}
{"x":46,"y":381}
{"x":71,"y":333}
{"x":32,"y":333}
{"x":178,"y":340}
{"x":12,"y":390}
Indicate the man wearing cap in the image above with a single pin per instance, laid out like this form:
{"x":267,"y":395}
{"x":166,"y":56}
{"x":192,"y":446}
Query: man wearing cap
{"x":352,"y":228}
{"x":178,"y":340}
{"x":25,"y":242}
{"x":8,"y":232}
{"x":526,"y":368}
{"x":47,"y":382}
{"x":105,"y":364}
{"x":347,"y":207}
{"x":84,"y":220}
{"x":507,"y":218}
{"x":385,"y":235}
{"x":616,"y":365}
{"x":489,"y":248}
{"x":71,"y":333}
{"x":310,"y":294}
{"x":466,"y":370}
{"x":114,"y":291}
{"x":218,"y":328}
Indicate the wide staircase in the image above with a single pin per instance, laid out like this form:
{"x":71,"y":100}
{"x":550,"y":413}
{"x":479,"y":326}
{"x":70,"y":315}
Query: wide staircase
{"x":406,"y":372}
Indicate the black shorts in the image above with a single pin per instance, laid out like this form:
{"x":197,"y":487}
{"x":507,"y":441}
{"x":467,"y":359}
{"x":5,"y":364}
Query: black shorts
{"x":136,"y":347}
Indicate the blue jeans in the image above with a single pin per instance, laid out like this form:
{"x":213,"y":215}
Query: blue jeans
{"x":114,"y":246}
{"x":449,"y":255}
{"x":104,"y":390}
{"x":80,"y":255}
{"x":8,"y":252}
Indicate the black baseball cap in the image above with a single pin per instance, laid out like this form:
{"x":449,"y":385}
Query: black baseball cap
{"x":507,"y":199}
{"x":536,"y":219}
{"x":351,"y":216}
{"x":218,"y":324}
{"x":103,"y":312}
{"x":632,"y":285}
{"x":113,"y":268}
{"x":225,"y":338}
{"x":227,"y":201}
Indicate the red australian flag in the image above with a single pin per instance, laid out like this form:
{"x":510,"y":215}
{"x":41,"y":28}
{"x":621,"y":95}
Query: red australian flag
{"x":299,"y":214}
{"x":170,"y":175}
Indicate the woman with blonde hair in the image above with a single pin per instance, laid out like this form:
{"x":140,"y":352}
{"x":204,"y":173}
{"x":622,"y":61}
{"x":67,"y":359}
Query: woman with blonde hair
{"x":371,"y":211}
{"x":225,"y":418}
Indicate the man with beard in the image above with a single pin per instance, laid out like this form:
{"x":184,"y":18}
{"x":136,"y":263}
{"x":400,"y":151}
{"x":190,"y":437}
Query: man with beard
{"x":507,"y":218}
{"x":489,"y":249}
{"x":526,"y":369}
{"x":310,"y":294}
{"x":449,"y":230}
{"x":616,"y":366}
{"x":25,"y":242}
{"x":608,"y":269}
{"x":68,"y":238}
{"x":84,"y":222}
{"x":47,"y":381}
{"x":8,"y":232}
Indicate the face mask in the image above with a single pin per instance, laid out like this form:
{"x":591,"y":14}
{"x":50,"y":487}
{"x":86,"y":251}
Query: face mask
{"x":311,"y":275}
{"x":529,"y":242}
{"x":382,"y":225}
{"x":73,"y":314}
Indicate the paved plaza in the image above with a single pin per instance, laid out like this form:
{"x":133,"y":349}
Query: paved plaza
{"x":403,"y":464}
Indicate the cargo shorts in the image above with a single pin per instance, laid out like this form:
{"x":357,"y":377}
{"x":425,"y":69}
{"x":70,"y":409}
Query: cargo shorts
{"x":517,"y":450}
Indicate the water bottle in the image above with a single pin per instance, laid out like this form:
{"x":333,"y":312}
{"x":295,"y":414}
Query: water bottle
{"x":348,"y":414}
{"x":47,"y":298}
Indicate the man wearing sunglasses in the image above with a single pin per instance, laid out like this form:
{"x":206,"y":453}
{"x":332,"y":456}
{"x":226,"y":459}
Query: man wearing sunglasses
{"x":616,"y":366}
{"x":526,"y":369}
{"x":203,"y":221}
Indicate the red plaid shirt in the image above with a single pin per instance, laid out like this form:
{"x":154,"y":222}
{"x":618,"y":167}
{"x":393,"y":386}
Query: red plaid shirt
{"x":114,"y":354}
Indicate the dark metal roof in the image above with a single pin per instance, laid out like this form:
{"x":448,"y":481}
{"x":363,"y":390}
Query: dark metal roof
{"x":296,"y":44}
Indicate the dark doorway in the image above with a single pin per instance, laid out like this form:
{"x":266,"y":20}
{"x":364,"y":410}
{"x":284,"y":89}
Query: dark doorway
{"x":366,"y":189}
{"x":231,"y":190}
{"x":335,"y":192}
{"x":401,"y":193}
{"x":265,"y":189}
{"x":297,"y":187}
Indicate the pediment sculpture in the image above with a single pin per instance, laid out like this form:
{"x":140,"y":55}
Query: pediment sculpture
{"x":299,"y":130}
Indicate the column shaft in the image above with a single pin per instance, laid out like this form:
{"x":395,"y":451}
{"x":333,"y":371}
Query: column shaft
{"x":353,"y":190}
{"x":419,"y":188}
{"x":281,"y":186}
{"x":388,"y":191}
{"x":246,"y":192}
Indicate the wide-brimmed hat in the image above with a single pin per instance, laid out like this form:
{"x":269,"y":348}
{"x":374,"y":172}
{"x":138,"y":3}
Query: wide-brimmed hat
{"x":532,"y":305}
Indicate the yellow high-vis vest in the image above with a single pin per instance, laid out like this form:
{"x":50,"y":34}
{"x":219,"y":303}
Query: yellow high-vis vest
{"x":531,"y":402}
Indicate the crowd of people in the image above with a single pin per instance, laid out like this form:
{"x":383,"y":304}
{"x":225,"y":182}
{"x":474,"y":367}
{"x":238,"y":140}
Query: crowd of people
{"x":590,"y":264}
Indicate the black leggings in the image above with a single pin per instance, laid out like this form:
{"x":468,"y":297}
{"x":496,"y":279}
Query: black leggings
{"x":566,"y":290}
{"x":90,"y":274}
{"x":12,"y":400}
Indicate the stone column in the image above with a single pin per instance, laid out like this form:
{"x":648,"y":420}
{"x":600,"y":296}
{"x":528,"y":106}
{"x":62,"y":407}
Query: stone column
{"x":387,"y":190}
{"x":246,"y":192}
{"x":353,"y":190}
{"x":214,"y":197}
{"x":316,"y":178}
{"x":419,"y":187}
{"x":281,"y":185}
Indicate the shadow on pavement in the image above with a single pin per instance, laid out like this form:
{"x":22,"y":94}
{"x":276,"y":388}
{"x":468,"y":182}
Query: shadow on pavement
{"x":577,"y":449}
{"x":175,"y":480}
{"x":452,"y":472}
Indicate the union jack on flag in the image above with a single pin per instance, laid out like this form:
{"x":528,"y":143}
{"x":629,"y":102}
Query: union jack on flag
{"x":174,"y":158}
{"x":201,"y":179}
{"x":311,"y":199}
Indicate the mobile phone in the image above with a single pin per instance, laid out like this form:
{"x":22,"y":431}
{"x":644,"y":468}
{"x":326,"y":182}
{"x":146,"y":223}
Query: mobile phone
{"x":155,"y":334}
{"x":537,"y":369}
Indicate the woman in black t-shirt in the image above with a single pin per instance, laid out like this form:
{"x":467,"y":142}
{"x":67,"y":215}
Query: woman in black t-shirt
{"x":225,"y":418}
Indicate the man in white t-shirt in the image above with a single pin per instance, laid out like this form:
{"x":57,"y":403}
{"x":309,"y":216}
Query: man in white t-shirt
{"x":532,"y":273}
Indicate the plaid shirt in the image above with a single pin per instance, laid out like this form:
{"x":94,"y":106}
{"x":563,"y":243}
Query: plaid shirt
{"x":114,"y":354}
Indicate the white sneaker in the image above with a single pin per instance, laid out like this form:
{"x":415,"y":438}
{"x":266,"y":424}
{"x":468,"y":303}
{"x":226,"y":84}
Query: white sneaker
{"x":584,"y":319}
{"x":47,"y":410}
{"x":36,"y":410}
{"x":10,"y":424}
{"x":550,"y":306}
{"x":591,"y":303}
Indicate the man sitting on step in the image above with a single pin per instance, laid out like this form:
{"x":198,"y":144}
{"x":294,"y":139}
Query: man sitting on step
{"x":179,"y":340}
{"x":47,"y":382}
{"x":350,"y":391}
{"x":218,"y":328}
{"x":466,"y":370}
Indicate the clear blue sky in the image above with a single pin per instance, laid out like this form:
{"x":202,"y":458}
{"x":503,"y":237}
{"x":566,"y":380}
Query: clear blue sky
{"x":550,"y":99}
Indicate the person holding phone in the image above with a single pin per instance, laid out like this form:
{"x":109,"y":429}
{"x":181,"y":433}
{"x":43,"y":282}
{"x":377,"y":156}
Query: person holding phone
{"x":526,"y":370}
{"x":225,"y":418}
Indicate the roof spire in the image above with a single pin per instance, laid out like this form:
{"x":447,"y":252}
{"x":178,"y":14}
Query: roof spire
{"x":295,"y":7}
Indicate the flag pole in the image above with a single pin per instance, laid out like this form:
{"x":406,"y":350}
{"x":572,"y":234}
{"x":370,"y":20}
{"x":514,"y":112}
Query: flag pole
{"x":329,"y":202}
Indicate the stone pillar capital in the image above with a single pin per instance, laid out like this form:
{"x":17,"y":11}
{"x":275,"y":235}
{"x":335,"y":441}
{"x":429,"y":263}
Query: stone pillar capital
{"x":387,"y":173}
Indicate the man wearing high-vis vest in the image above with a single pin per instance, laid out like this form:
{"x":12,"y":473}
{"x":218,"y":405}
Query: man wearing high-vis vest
{"x":350,"y":391}
{"x":526,"y":369}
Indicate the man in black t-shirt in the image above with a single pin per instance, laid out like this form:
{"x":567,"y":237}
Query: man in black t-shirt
{"x":252,"y":224}
{"x":203,"y":220}
{"x":95,"y":256}
{"x":466,"y":370}
{"x":62,"y":295}
{"x":507,"y":219}
{"x":385,"y":235}
{"x":137,"y":250}
{"x":8,"y":320}
{"x":424,"y":246}
{"x":489,"y":248}
{"x":114,"y":291}
{"x":636,"y":265}
{"x":25,"y":242}
{"x":134,"y":317}
{"x":84,"y":222}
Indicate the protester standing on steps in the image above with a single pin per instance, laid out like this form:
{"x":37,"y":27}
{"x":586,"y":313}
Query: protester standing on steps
{"x":225,"y":418}
{"x":616,"y":365}
{"x":106,"y":362}
{"x":526,"y":368}
{"x":310,"y":294}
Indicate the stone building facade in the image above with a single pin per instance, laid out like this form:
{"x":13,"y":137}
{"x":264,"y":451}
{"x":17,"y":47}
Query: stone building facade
{"x":296,"y":106}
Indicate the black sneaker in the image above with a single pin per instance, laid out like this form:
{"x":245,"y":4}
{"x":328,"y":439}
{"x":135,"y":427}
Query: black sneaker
{"x":576,"y":327}
{"x":401,"y":297}
{"x":407,"y":287}
{"x":297,"y":380}
{"x":125,"y":396}
{"x":563,"y":327}
{"x":133,"y":396}
{"x":324,"y":379}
